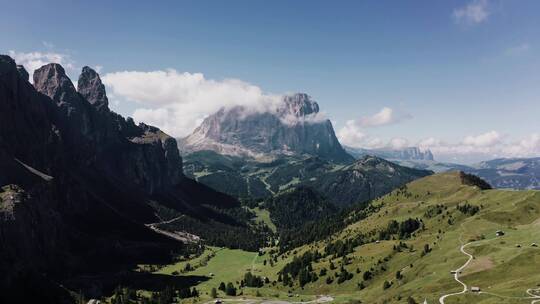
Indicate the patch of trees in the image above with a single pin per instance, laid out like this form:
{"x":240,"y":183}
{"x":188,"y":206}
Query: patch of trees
{"x":251,"y":280}
{"x":318,"y":230}
{"x":473,"y":180}
{"x":344,"y":275}
{"x":433,"y":211}
{"x":166,"y":296}
{"x":228,"y":288}
{"x":403,"y":229}
{"x":426,"y":250}
{"x":298,"y":206}
{"x":216,"y":233}
{"x":401,"y":246}
{"x":468,"y":209}
{"x":301,"y":269}
{"x":341,"y":248}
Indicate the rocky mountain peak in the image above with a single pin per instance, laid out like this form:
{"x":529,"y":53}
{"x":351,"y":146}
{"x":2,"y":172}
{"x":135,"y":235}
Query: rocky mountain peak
{"x":299,"y":105}
{"x":22,"y":71}
{"x":51,"y":80}
{"x":92,"y":89}
{"x":265,"y":135}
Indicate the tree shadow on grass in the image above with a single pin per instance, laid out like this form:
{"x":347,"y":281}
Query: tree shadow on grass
{"x":104,"y":284}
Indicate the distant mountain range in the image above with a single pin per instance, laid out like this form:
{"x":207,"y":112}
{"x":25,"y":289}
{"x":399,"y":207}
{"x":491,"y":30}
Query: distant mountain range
{"x":409,"y":153}
{"x":294,"y":127}
{"x":512,"y":173}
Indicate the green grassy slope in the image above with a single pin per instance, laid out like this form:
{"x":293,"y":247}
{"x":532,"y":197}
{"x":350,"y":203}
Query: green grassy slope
{"x":498,"y":267}
{"x":502,"y":270}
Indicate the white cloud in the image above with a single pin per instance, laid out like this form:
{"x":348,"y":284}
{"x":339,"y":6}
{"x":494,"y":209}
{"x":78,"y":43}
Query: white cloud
{"x":34,"y":60}
{"x":398,"y":143}
{"x":528,"y":146}
{"x":475,"y":12}
{"x":385,"y":116}
{"x":486,"y":146}
{"x":351,"y":135}
{"x":176,"y":102}
{"x":483,"y":140}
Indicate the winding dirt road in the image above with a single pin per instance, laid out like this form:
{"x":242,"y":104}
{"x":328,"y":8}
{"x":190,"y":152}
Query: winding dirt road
{"x":181,"y":236}
{"x":456,"y":275}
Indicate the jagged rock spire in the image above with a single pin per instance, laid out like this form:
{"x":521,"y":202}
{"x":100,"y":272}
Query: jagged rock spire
{"x":51,"y":80}
{"x":92,"y":89}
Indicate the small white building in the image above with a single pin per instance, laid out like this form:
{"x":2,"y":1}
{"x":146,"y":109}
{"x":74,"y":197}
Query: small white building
{"x":475,"y":289}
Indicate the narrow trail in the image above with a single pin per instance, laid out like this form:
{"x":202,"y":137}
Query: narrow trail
{"x":534,"y":295}
{"x":253,"y":262}
{"x":166,"y":222}
{"x":267,"y":185}
{"x":181,"y":236}
{"x":456,"y":274}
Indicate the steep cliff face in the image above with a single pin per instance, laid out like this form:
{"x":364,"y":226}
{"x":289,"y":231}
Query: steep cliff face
{"x":75,"y":184}
{"x":294,"y":127}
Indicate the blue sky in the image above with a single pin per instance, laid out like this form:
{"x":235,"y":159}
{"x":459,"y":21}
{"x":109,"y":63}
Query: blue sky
{"x":459,"y":77}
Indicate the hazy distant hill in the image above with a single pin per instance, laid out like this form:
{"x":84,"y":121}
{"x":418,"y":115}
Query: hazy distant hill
{"x":515,"y":173}
{"x":409,"y":153}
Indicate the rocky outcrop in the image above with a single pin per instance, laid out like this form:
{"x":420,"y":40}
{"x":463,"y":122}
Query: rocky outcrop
{"x":294,"y":127}
{"x":92,"y":89}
